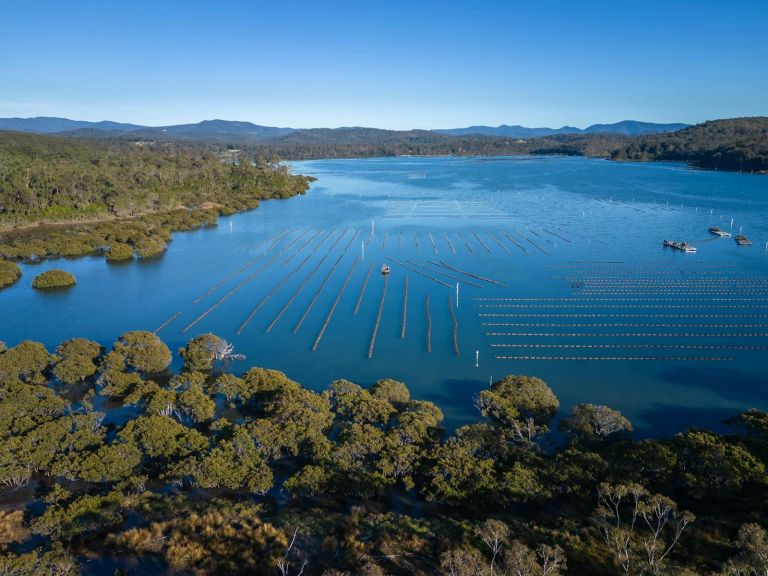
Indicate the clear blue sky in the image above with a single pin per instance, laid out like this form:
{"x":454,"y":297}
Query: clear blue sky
{"x":390,"y":64}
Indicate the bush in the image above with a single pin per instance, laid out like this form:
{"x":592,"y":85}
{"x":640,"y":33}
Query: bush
{"x":9,"y":273}
{"x":119,"y":251}
{"x":53,"y":279}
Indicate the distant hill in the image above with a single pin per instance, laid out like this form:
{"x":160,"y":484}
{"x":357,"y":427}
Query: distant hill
{"x":625,"y":127}
{"x":51,"y":125}
{"x":208,"y":130}
{"x":737,"y":144}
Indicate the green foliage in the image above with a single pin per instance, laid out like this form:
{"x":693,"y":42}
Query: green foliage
{"x":56,"y":561}
{"x":143,"y":352}
{"x":201,"y":351}
{"x":126,"y":197}
{"x":53,"y":279}
{"x":76,"y":360}
{"x":119,"y":252}
{"x":707,"y":462}
{"x":739,"y":144}
{"x":9,"y":273}
{"x":592,"y":422}
{"x":26,"y":362}
{"x":186,"y":472}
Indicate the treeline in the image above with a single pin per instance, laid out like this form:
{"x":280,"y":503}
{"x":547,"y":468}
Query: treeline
{"x":108,"y":454}
{"x":737,"y":144}
{"x":128,"y":193}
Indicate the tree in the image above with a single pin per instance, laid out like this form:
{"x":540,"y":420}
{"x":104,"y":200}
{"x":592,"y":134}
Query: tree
{"x":235,"y":464}
{"x":195,"y":404}
{"x":591,"y":422}
{"x":143,"y":352}
{"x":230,"y":386}
{"x":201,"y":351}
{"x":353,"y":403}
{"x":392,"y":391}
{"x":708,"y":462}
{"x":639,"y":529}
{"x":523,"y":404}
{"x":457,"y":476}
{"x":76,"y":360}
{"x":752,"y":559}
{"x":26,"y":362}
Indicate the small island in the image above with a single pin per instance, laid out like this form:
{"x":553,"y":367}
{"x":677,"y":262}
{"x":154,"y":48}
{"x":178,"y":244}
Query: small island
{"x":55,"y":278}
{"x":9,"y":273}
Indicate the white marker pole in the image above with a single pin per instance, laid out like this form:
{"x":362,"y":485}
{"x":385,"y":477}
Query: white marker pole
{"x":362,"y":247}
{"x":477,"y":358}
{"x":731,"y":224}
{"x":372,"y":228}
{"x":457,"y":294}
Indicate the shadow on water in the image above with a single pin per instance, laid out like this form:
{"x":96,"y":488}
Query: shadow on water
{"x":730,"y":383}
{"x":665,"y":420}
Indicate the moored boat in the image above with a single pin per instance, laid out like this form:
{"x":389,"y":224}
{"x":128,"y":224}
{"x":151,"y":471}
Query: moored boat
{"x":682,"y":246}
{"x":385,"y":270}
{"x":719,"y":232}
{"x":742,"y":240}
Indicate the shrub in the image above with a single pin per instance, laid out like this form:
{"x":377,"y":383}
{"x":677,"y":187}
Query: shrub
{"x":53,"y":279}
{"x":9,"y":273}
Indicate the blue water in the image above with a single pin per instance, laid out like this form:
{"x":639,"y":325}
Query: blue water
{"x":586,"y":232}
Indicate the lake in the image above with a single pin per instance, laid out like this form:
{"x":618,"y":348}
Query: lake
{"x":566,"y":279}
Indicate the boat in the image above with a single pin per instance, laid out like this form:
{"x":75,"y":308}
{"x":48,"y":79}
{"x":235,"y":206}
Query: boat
{"x":682,"y":246}
{"x":385,"y":270}
{"x":722,"y":233}
{"x":742,"y":240}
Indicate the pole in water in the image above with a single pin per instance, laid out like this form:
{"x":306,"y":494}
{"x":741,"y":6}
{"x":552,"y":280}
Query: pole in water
{"x":230,"y":225}
{"x":457,"y":294}
{"x":477,"y":358}
{"x":740,"y":227}
{"x":731,"y":223}
{"x":362,"y":247}
{"x":372,"y":228}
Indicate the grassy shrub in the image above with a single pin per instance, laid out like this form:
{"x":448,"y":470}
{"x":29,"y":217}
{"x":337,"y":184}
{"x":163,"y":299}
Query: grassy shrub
{"x":53,"y":279}
{"x":9,"y":273}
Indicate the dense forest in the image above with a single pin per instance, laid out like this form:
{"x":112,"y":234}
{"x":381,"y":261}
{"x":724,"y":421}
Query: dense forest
{"x":109,"y":461}
{"x":738,"y":144}
{"x":121,"y":194}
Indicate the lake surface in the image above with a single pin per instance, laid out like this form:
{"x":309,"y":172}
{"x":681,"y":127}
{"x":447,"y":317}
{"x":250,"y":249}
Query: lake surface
{"x":582,"y":295}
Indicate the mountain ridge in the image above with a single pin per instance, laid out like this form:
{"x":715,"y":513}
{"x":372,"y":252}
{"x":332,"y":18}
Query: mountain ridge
{"x":227,"y":129}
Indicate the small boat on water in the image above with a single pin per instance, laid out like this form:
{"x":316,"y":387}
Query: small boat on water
{"x":722,"y":233}
{"x":385,"y":270}
{"x":742,"y":240}
{"x":682,"y":246}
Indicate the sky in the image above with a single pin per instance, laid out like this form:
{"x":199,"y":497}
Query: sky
{"x":388,"y":64}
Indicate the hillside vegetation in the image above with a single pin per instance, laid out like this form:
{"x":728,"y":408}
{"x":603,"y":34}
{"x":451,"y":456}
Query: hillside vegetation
{"x":738,"y":144}
{"x":108,"y":192}
{"x":106,"y":454}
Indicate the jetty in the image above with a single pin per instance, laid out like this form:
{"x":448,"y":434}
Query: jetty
{"x":405,"y":308}
{"x":363,"y":287}
{"x":455,"y":326}
{"x":420,"y":273}
{"x":429,"y":324}
{"x":335,"y":304}
{"x":317,"y":295}
{"x":448,"y":240}
{"x":266,"y":298}
{"x":378,"y":317}
{"x":295,"y":293}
